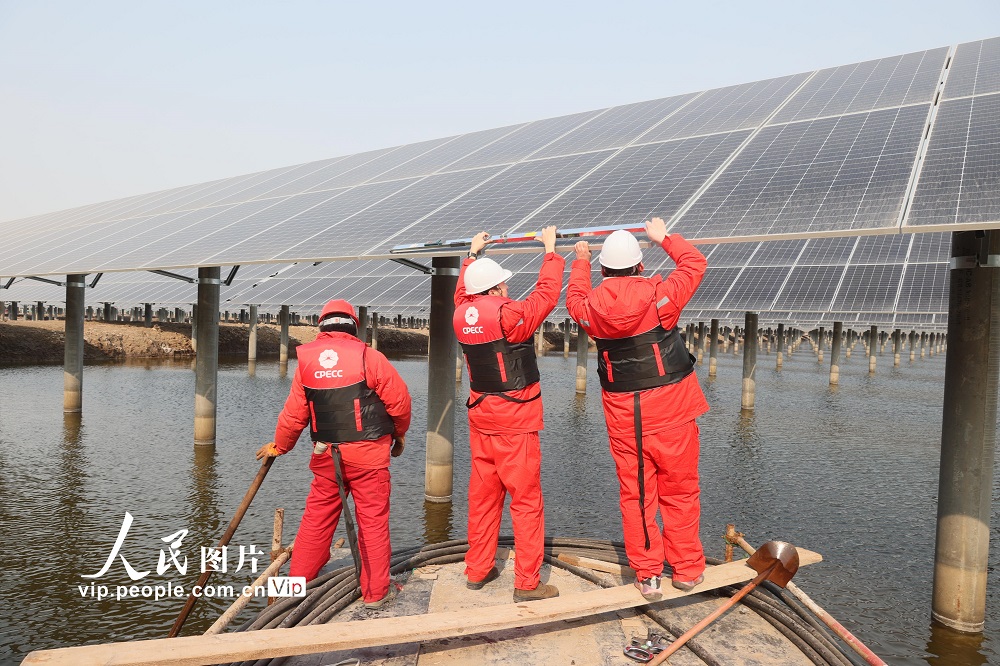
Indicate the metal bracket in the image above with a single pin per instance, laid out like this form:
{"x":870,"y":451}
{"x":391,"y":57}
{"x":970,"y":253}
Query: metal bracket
{"x":176,"y":276}
{"x":58,"y":284}
{"x":974,"y":261}
{"x":445,"y":271}
{"x":426,"y":270}
{"x":232,"y":274}
{"x":9,"y":282}
{"x":96,"y":278}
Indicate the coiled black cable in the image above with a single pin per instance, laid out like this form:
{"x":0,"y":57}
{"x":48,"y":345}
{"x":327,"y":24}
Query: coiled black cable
{"x":332,"y":592}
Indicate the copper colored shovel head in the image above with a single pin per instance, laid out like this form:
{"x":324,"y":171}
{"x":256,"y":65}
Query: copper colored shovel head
{"x":780,"y":555}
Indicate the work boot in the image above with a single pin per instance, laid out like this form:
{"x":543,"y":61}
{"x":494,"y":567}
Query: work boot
{"x":649,"y":588}
{"x":688,"y":585}
{"x":492,"y":575}
{"x":389,"y":596}
{"x":543,"y":591}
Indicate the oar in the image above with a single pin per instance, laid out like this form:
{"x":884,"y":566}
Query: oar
{"x":233,"y":524}
{"x":352,"y":537}
{"x":775,"y":561}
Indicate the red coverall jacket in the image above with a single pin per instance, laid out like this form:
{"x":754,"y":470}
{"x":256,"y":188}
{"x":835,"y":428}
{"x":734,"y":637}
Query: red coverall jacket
{"x":379,"y":375}
{"x":518,"y":320}
{"x":616,"y":308}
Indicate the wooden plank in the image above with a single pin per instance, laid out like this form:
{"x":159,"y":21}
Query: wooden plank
{"x":197,"y":650}
{"x":598,"y":565}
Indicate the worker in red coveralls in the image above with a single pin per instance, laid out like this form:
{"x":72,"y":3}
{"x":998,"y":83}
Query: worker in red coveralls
{"x":505,"y":412}
{"x":352,"y":398}
{"x":651,"y":398}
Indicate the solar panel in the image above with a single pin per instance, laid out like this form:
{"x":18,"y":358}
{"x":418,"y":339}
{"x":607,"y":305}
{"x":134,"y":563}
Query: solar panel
{"x":527,"y":140}
{"x":310,"y":223}
{"x":615,"y":128}
{"x":881,"y":249}
{"x":446,"y":154}
{"x":213,"y":246}
{"x":714,"y":286}
{"x":332,"y":169}
{"x":960,"y":179}
{"x":828,"y":175}
{"x":975,"y":70}
{"x":809,"y":288}
{"x":870,"y":288}
{"x":379,"y":225}
{"x":75,"y":248}
{"x":501,"y":202}
{"x":924,"y":288}
{"x":755,"y":289}
{"x":824,"y":251}
{"x":865,"y":86}
{"x":727,"y":109}
{"x":640,"y":182}
{"x":373,"y":168}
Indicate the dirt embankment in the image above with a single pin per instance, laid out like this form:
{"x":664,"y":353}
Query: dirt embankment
{"x":24,"y":342}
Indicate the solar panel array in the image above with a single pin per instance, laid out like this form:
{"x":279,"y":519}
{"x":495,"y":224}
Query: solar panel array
{"x":899,"y":144}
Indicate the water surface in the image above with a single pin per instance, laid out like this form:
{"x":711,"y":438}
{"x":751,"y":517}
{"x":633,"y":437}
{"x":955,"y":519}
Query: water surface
{"x":850,"y":472}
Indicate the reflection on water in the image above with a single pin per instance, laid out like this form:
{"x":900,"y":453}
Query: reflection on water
{"x":851,"y":473}
{"x":438,"y":522}
{"x":947,"y":647}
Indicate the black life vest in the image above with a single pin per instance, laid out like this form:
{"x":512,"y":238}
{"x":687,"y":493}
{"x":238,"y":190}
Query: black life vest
{"x":342,"y":408}
{"x":495,"y":365}
{"x":654,"y":358}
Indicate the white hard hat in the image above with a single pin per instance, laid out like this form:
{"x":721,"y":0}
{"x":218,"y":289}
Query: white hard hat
{"x":621,"y":250}
{"x":484,"y":274}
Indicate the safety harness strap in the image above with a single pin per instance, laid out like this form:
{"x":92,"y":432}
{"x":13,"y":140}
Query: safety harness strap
{"x":637,"y":415}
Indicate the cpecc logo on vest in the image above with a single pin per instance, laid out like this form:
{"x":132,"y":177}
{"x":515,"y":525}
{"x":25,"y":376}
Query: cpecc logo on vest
{"x":471,"y":317}
{"x":328,"y":358}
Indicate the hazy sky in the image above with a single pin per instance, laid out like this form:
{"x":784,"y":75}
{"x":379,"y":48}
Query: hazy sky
{"x":100,"y":100}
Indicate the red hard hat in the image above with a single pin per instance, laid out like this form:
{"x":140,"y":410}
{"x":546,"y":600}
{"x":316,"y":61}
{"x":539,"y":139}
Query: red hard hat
{"x":339,"y":307}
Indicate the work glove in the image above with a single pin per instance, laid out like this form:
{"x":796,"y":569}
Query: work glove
{"x":398,"y":442}
{"x":269,"y":450}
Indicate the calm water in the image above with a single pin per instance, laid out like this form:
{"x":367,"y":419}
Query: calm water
{"x":851,"y":473}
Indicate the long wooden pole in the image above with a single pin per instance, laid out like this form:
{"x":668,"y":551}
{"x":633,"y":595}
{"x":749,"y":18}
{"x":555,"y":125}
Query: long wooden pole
{"x":241,"y":602}
{"x":230,"y":531}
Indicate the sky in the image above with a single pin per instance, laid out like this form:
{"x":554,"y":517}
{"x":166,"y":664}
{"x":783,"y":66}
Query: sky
{"x":105,"y":99}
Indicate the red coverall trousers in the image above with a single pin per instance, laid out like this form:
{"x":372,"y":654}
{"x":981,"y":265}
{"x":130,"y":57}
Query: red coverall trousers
{"x":501,"y":464}
{"x":370,"y":489}
{"x":670,"y":470}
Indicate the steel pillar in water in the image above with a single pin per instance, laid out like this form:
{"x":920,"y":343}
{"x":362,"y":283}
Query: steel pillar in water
{"x":252,"y":343}
{"x":872,"y":348}
{"x":582,"y":350}
{"x":283,"y":320}
{"x":838,"y":333}
{"x":207,"y":361}
{"x":713,"y":348}
{"x":566,"y":330}
{"x":440,"y":456}
{"x":968,"y":433}
{"x":73,"y":353}
{"x":749,"y":362}
{"x":780,"y":340}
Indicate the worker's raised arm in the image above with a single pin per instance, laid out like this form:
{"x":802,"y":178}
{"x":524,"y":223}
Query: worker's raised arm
{"x":579,"y":285}
{"x":676,"y":291}
{"x":478,"y":243}
{"x":520,"y":319}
